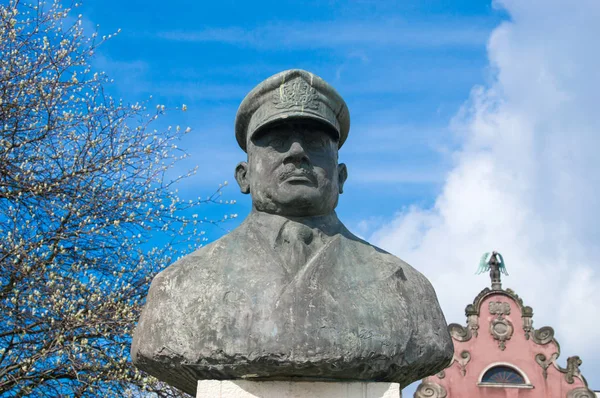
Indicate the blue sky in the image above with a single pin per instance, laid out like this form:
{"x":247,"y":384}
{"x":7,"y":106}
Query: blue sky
{"x":403,"y":71}
{"x":473,"y":127}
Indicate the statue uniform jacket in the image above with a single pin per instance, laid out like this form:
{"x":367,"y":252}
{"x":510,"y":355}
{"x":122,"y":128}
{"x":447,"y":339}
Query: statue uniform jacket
{"x":262,"y":304}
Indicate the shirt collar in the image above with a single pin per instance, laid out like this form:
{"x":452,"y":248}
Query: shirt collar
{"x":270,"y":225}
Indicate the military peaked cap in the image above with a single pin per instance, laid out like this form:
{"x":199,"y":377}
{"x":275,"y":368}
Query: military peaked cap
{"x":291,"y":94}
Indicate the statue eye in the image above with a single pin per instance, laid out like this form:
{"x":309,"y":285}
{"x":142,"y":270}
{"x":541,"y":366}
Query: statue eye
{"x":276,"y":142}
{"x":315,"y":142}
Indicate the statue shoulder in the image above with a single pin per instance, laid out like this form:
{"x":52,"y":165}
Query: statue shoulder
{"x":384,"y":259}
{"x":419,"y":284}
{"x":207,"y":266}
{"x":415,"y":284}
{"x":209,"y":256}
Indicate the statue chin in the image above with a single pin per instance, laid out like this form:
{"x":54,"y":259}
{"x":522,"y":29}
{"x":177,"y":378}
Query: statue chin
{"x":297,"y":205}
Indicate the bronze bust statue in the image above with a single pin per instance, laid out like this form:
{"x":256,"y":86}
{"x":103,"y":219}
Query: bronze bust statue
{"x":291,"y":294}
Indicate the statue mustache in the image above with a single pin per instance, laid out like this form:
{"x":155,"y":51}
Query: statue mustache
{"x":290,"y":170}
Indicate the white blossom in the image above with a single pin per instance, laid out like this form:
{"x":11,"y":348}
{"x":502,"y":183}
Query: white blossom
{"x":82,"y":193}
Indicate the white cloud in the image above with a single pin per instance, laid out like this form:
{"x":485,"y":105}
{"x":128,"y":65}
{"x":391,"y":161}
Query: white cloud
{"x":526,"y":180}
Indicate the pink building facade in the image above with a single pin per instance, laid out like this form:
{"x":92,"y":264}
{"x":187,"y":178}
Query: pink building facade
{"x":499,"y":354}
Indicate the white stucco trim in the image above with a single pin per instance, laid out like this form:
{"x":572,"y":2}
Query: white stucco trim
{"x":501,"y":385}
{"x":510,"y":365}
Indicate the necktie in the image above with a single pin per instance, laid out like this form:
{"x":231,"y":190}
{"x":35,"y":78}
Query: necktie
{"x":295,"y":241}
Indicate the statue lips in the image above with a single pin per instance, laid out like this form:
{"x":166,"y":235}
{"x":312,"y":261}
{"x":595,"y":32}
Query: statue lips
{"x":298,"y":176}
{"x":299,"y":179}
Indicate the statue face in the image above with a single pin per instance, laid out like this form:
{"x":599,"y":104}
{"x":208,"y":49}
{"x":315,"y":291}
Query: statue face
{"x":292,"y":169}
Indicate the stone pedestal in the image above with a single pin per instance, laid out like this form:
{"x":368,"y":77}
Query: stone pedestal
{"x":289,"y":389}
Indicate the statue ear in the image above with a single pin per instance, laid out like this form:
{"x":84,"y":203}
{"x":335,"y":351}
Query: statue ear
{"x":342,"y":176}
{"x":241,"y":176}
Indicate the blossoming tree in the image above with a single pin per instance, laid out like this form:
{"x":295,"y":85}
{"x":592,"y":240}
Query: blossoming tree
{"x":83,"y":195}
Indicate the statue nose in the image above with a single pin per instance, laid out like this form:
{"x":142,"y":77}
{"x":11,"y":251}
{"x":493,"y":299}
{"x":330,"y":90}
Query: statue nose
{"x":297,"y":152}
{"x":296,"y":147}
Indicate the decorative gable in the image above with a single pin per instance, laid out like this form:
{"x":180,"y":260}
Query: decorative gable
{"x":499,"y":348}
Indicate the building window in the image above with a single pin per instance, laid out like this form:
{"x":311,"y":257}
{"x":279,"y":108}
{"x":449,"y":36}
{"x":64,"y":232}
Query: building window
{"x":502,"y":375}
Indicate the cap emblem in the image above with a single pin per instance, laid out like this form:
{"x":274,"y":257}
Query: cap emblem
{"x":298,"y":93}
